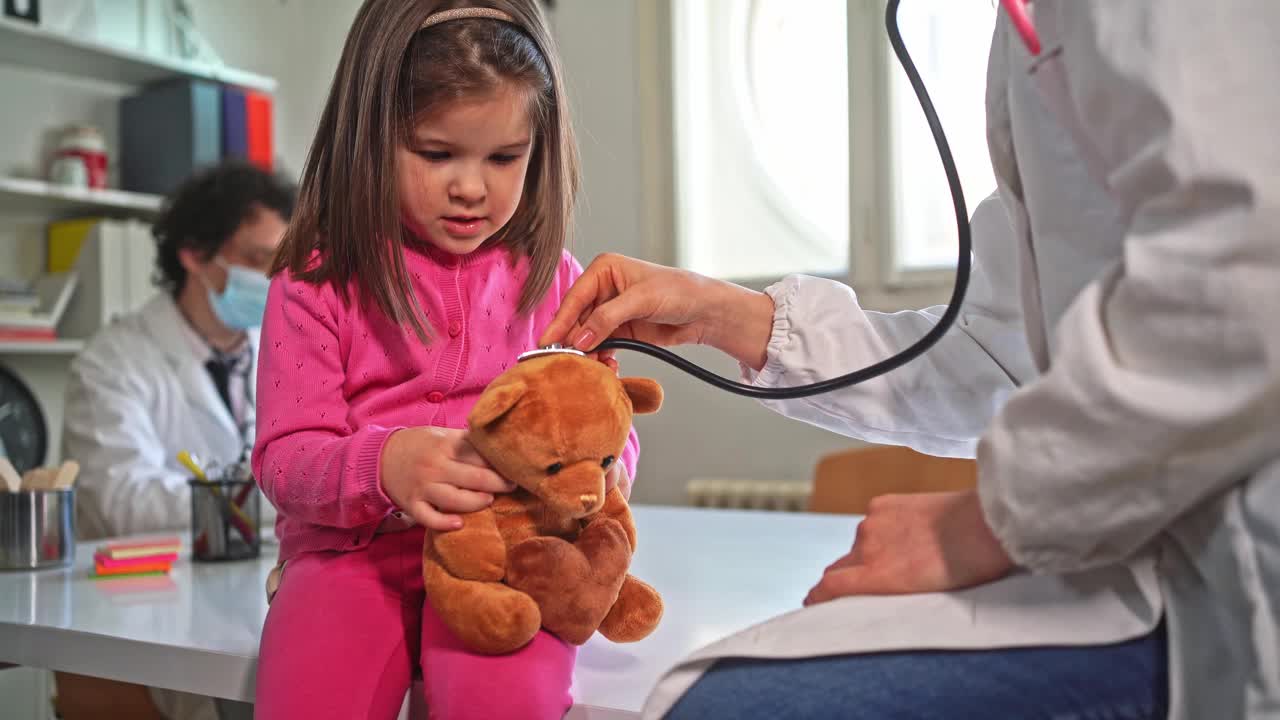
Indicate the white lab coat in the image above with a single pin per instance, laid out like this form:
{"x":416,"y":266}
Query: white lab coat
{"x":1129,"y":447}
{"x":138,"y":395}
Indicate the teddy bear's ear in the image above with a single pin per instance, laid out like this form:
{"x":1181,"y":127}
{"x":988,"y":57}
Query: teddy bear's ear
{"x":645,"y":394}
{"x":496,"y":402}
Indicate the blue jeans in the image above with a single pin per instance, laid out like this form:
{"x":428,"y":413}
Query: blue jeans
{"x":1126,"y":681}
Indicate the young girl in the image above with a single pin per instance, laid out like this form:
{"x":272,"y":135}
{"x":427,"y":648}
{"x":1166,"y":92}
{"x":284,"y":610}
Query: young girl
{"x":425,"y":254}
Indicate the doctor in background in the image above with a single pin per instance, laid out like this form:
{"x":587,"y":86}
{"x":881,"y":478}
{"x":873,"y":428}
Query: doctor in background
{"x":179,"y":373}
{"x":1115,"y":370}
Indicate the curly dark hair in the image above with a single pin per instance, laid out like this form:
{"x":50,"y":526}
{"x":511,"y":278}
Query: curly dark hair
{"x":207,"y":209}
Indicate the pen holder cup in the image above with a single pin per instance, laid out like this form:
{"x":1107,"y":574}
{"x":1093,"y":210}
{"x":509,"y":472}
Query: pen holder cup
{"x":225,"y":520}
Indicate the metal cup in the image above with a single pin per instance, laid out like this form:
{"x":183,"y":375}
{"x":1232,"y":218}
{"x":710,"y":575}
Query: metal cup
{"x":37,"y":529}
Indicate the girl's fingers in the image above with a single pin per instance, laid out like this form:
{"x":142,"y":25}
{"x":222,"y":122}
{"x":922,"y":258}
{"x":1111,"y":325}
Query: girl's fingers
{"x":447,"y":498}
{"x":427,"y":516}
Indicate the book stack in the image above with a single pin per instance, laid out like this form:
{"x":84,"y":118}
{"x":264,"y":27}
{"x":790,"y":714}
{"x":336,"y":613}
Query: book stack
{"x":31,"y":311}
{"x":150,"y":557}
{"x":17,"y":297}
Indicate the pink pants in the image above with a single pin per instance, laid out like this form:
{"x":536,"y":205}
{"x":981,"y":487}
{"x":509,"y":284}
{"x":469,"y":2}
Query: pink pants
{"x":346,"y":632}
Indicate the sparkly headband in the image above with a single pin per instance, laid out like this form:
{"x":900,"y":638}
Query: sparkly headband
{"x":461,"y":13}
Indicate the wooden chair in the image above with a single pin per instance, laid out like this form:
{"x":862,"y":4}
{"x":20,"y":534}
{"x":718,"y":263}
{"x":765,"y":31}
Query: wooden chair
{"x":844,"y":482}
{"x":80,"y":697}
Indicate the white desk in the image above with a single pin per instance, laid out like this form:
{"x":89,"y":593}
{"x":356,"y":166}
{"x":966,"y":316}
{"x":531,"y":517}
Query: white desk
{"x":197,"y":630}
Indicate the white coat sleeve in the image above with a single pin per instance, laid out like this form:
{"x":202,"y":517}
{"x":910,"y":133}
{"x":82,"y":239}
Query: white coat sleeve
{"x":940,"y":402}
{"x":1164,"y":389}
{"x":124,"y":486}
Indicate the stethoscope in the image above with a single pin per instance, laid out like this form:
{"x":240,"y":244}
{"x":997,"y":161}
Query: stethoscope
{"x":1017,"y":10}
{"x":244,"y":424}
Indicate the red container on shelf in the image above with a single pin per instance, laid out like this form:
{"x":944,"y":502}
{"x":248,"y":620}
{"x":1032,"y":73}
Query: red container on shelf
{"x":81,"y":159}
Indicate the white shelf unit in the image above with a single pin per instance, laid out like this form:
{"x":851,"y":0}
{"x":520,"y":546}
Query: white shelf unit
{"x":31,"y":46}
{"x":38,"y":57}
{"x":22,"y":195}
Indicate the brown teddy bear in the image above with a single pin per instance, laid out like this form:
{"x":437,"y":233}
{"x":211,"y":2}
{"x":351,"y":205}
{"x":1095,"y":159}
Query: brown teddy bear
{"x":555,"y":552}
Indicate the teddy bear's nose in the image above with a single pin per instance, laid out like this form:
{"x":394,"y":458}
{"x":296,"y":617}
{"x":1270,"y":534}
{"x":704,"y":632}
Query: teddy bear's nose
{"x":588,"y":501}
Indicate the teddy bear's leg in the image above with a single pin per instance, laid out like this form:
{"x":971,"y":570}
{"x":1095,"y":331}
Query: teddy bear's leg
{"x":575,"y":584}
{"x":488,"y":617}
{"x":608,"y":550}
{"x":462,"y":571}
{"x":635,"y":614}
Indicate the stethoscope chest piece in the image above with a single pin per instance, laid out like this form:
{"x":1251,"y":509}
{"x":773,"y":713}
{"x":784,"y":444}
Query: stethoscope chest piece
{"x":555,"y":349}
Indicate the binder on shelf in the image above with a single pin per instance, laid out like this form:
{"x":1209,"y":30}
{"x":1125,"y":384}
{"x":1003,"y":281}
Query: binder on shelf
{"x":235,"y":123}
{"x":65,"y":240}
{"x":259,"y":112}
{"x":167,"y":132}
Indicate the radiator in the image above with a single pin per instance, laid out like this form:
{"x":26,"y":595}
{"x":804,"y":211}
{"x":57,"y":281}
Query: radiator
{"x":778,"y":495}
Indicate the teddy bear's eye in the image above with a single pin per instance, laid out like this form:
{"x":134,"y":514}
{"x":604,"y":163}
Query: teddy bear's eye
{"x":608,"y":461}
{"x":554,"y":468}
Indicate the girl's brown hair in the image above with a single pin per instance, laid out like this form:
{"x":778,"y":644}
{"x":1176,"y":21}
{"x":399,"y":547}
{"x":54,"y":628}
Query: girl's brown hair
{"x":391,"y":75}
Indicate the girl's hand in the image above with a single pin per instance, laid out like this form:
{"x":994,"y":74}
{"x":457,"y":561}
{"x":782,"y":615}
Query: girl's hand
{"x":927,"y":542}
{"x":618,"y":477}
{"x":608,"y":357}
{"x":431,"y":472}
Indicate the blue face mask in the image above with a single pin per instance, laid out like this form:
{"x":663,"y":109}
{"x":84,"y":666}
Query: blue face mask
{"x":241,"y":305}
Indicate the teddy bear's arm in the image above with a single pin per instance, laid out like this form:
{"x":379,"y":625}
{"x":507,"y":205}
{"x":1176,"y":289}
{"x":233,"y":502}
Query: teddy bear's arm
{"x":476,"y":551}
{"x":616,"y":507}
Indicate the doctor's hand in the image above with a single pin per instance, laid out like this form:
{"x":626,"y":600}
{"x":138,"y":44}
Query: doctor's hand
{"x":623,"y":297}
{"x":927,"y":542}
{"x":431,"y":473}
